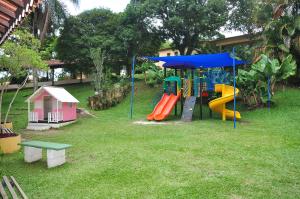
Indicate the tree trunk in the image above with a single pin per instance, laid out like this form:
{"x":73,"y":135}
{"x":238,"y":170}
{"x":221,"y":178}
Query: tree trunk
{"x":189,"y":51}
{"x":45,"y":25}
{"x":13,"y":99}
{"x":145,"y":76}
{"x":34,"y":71}
{"x":3,"y":88}
{"x":35,"y":79}
{"x":182,"y":50}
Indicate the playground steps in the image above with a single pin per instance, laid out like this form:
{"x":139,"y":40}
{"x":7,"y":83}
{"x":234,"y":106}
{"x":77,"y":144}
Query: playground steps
{"x":188,"y":109}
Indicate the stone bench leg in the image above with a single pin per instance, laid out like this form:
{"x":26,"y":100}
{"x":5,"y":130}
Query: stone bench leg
{"x":32,"y":154}
{"x":55,"y":158}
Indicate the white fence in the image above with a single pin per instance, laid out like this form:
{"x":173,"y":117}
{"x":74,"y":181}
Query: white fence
{"x":33,"y":117}
{"x":49,"y":83}
{"x":55,"y":117}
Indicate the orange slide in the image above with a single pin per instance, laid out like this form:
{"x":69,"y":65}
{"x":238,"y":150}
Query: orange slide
{"x":164,"y":107}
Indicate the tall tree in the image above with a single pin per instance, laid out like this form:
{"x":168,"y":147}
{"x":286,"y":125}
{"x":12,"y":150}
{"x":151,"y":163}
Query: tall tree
{"x":134,"y":35}
{"x":91,"y":29}
{"x":48,"y":17}
{"x":247,"y":15}
{"x":185,"y":22}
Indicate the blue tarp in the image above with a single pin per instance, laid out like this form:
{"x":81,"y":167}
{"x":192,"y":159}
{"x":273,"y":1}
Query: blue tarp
{"x":198,"y":61}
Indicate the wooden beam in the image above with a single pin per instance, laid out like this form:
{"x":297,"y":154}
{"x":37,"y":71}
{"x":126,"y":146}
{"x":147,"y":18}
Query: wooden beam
{"x":9,"y":5}
{"x":4,"y":17}
{"x":4,"y":22}
{"x":19,"y":188}
{"x":12,"y":13}
{"x":2,"y":29}
{"x":10,"y":188}
{"x":18,"y":3}
{"x":7,"y":12}
{"x":2,"y":191}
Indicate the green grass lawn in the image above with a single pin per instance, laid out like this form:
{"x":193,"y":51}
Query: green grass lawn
{"x":112,"y":157}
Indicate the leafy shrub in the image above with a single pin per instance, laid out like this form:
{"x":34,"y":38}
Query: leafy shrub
{"x":254,"y":83}
{"x":152,"y":74}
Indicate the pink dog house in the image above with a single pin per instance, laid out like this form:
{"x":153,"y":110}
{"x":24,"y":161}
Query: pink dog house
{"x":52,"y":105}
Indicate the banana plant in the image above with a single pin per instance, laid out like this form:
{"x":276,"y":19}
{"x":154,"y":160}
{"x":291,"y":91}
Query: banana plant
{"x":286,"y":22}
{"x":254,"y":83}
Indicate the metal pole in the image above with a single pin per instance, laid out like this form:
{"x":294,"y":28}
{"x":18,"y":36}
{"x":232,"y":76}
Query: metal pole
{"x":192,"y":83}
{"x":181,"y":92}
{"x":234,"y":85}
{"x":132,"y":87}
{"x":176,"y":92}
{"x":201,"y":98}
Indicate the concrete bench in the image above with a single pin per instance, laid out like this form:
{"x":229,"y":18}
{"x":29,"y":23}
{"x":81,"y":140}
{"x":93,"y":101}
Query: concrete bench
{"x":56,"y":154}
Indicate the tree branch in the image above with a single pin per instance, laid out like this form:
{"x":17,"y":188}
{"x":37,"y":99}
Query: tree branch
{"x":13,"y":99}
{"x":3,"y":88}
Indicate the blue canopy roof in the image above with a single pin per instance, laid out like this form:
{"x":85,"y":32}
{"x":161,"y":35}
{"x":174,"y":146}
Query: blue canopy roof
{"x":198,"y":61}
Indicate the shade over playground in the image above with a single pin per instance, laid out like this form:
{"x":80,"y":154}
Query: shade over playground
{"x":192,"y":62}
{"x":198,"y":61}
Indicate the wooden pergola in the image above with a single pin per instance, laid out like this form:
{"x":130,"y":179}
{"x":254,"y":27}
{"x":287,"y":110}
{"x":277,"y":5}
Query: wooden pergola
{"x":12,"y":13}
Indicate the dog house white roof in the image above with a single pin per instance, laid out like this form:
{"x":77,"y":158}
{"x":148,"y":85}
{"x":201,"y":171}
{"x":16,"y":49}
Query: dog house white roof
{"x":58,"y":93}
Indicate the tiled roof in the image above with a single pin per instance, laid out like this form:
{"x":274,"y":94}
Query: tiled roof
{"x":12,"y":13}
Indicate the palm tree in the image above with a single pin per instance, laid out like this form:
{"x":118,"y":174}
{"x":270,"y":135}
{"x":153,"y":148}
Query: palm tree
{"x":48,"y":18}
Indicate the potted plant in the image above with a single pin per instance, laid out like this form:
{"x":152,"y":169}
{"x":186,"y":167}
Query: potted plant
{"x":17,"y":57}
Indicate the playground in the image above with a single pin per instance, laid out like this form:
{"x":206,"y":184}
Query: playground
{"x":193,"y":85}
{"x":204,"y":158}
{"x":149,"y":99}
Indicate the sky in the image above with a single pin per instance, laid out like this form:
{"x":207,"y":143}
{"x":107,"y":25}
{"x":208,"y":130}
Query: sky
{"x":116,"y":6}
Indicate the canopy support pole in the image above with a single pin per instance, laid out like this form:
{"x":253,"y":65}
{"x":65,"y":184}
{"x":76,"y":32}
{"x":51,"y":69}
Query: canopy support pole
{"x":201,"y":98}
{"x":234,"y":90}
{"x":132,"y":87}
{"x":181,"y":93}
{"x":192,"y":82}
{"x":176,"y":92}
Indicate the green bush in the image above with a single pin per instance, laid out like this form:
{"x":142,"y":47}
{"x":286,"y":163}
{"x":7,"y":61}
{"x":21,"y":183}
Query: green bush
{"x":152,"y":74}
{"x":254,"y":83}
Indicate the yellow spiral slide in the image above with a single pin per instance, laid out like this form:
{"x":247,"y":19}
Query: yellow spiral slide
{"x":219,"y":105}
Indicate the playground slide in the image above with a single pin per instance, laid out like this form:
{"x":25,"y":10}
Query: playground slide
{"x":219,"y":105}
{"x":164,"y":107}
{"x":168,"y":107}
{"x":159,"y":107}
